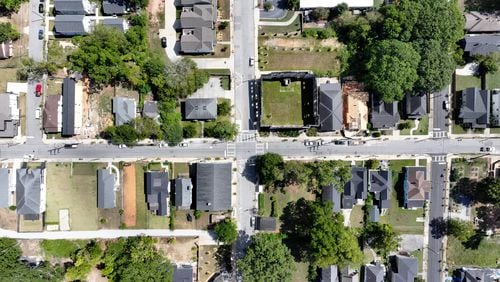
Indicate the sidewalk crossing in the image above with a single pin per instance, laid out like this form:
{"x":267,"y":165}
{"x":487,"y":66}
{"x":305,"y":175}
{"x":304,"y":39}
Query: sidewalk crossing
{"x":439,"y":158}
{"x":230,"y":149}
{"x":246,"y":137}
{"x":439,"y":134}
{"x":260,"y":148}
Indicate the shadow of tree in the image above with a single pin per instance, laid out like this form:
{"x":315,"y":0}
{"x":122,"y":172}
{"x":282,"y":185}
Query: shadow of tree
{"x":474,"y":241}
{"x":438,"y":227}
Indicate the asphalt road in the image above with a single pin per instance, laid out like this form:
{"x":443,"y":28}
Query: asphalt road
{"x":439,"y":113}
{"x":277,"y":12}
{"x":36,"y":21}
{"x":33,"y":125}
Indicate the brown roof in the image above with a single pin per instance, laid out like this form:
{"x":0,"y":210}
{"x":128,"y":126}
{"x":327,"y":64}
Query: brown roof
{"x":50,"y":113}
{"x":418,"y":187}
{"x":355,"y":106}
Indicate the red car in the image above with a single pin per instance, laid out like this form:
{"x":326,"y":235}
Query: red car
{"x":38,"y":89}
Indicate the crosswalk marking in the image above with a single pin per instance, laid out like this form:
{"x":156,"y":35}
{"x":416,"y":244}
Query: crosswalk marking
{"x":439,"y":158}
{"x":439,"y":134}
{"x":260,"y":148}
{"x":245,"y":137}
{"x":230,"y":149}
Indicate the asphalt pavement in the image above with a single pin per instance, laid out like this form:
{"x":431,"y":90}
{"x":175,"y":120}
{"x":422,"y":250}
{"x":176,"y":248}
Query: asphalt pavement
{"x":33,"y":125}
{"x":440,"y":128}
{"x":36,"y":21}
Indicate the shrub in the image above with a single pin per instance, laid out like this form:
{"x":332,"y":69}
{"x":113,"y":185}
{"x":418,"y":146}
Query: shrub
{"x":312,"y":132}
{"x":197,"y":214}
{"x":262,"y":203}
{"x":376,"y":134}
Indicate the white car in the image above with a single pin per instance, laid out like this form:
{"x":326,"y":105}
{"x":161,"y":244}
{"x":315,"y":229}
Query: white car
{"x":122,"y":146}
{"x":251,"y":61}
{"x":252,"y":221}
{"x":487,"y":149}
{"x":184,"y":144}
{"x":38,"y":112}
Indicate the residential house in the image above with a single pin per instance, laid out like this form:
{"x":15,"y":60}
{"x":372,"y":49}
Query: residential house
{"x":374,"y":214}
{"x":384,"y":115}
{"x":115,"y":7}
{"x":124,"y":110}
{"x":355,"y":106}
{"x":183,"y":193}
{"x":72,"y":108}
{"x":356,"y":188}
{"x":478,"y":275}
{"x":6,"y":49}
{"x":198,"y":40}
{"x":213,"y":186}
{"x":417,"y":188}
{"x":200,"y":109}
{"x":119,"y":23}
{"x":183,"y":273}
{"x":157,"y":192}
{"x":30,"y":193}
{"x":330,"y":107}
{"x":5,"y":187}
{"x":381,"y":187}
{"x":475,"y":108}
{"x":495,"y":108}
{"x":349,"y":275}
{"x":71,"y":25}
{"x":198,"y":16}
{"x":354,"y":4}
{"x":106,"y":195}
{"x":150,"y":110}
{"x":477,"y":22}
{"x":52,"y":114}
{"x":374,"y":273}
{"x":331,"y":194}
{"x":483,"y":44}
{"x":197,"y":24}
{"x":74,"y":7}
{"x":265,"y":223}
{"x":403,"y":268}
{"x":185,"y":3}
{"x":415,"y":105}
{"x":330,"y":274}
{"x":9,"y":115}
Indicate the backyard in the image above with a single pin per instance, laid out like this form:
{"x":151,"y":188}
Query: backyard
{"x":485,"y":254}
{"x":282,"y":198}
{"x":281,"y":104}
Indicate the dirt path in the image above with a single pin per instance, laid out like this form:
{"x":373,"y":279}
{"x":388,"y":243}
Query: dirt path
{"x":129,"y":195}
{"x":301,"y":42}
{"x":154,"y":8}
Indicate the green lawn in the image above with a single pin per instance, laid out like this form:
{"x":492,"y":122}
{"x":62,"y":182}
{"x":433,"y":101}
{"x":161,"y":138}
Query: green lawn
{"x":463,"y":82}
{"x":282,"y":105}
{"x":158,"y":222}
{"x":61,"y":248}
{"x":420,"y":257}
{"x":179,"y":168}
{"x":477,"y":169}
{"x":293,"y":27}
{"x":8,"y":75}
{"x":141,"y":205}
{"x":407,"y":131}
{"x":356,"y":218}
{"x":493,"y":79}
{"x":495,"y":130}
{"x":458,"y":129}
{"x":73,"y":187}
{"x":301,"y":272}
{"x":289,"y":194}
{"x":423,"y":127}
{"x":486,"y":254}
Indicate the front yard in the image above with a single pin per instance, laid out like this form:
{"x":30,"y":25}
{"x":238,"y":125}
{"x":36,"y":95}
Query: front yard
{"x":485,"y":254}
{"x":475,"y":169}
{"x":283,"y":197}
{"x":282,"y":105}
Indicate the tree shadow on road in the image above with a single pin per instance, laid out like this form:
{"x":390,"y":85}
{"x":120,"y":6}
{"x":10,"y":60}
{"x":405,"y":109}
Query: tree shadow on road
{"x":438,"y":227}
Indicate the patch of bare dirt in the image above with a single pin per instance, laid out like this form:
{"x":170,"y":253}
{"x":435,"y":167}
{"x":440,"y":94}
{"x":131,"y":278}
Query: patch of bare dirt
{"x":180,"y":250}
{"x":30,"y":248}
{"x":154,"y":8}
{"x":96,"y":276}
{"x":301,"y":42}
{"x":8,"y":219}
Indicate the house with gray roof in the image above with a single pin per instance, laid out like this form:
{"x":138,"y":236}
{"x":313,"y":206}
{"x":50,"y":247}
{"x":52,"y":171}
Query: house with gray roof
{"x":198,"y":40}
{"x":74,"y":7}
{"x":68,"y":107}
{"x":119,"y":23}
{"x":331,"y":194}
{"x":150,"y":110}
{"x":403,"y":268}
{"x":124,"y":110}
{"x":475,"y":108}
{"x":466,"y":274}
{"x":30,"y":192}
{"x":198,"y":16}
{"x":374,"y":214}
{"x":374,"y":273}
{"x":265,"y":223}
{"x":71,"y":25}
{"x":356,"y":188}
{"x":330,"y":274}
{"x":197,"y":24}
{"x":347,"y":274}
{"x":183,"y":193}
{"x":9,"y":115}
{"x":384,"y":115}
{"x":200,"y":109}
{"x":381,"y":187}
{"x":330,"y":107}
{"x":415,"y":105}
{"x":183,"y":273}
{"x":477,"y":22}
{"x":417,"y":187}
{"x":4,"y":187}
{"x":213,"y":186}
{"x":185,"y":3}
{"x":483,"y":44}
{"x":115,"y":7}
{"x":106,"y":195}
{"x":157,"y":192}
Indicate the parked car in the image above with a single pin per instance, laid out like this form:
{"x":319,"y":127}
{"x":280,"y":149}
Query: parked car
{"x":122,"y":146}
{"x":252,"y":221}
{"x":163,"y":42}
{"x":71,"y":146}
{"x":446,"y":105}
{"x":487,"y":149}
{"x":183,"y":144}
{"x":40,"y":34}
{"x":340,"y":142}
{"x":251,"y":61}
{"x":40,"y":8}
{"x":38,"y":111}
{"x":38,"y":89}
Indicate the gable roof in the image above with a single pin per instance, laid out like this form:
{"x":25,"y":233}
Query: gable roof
{"x":71,"y":24}
{"x":4,"y":187}
{"x":73,"y":7}
{"x":384,"y":115}
{"x":330,"y":107}
{"x":28,"y":191}
{"x":9,"y":115}
{"x":157,"y":191}
{"x":183,"y":192}
{"x":150,"y":109}
{"x":330,"y":274}
{"x":68,"y":113}
{"x":416,"y":187}
{"x":356,"y":187}
{"x":381,"y":186}
{"x":213,"y":186}
{"x":124,"y":109}
{"x":331,"y":194}
{"x":374,"y":273}
{"x":183,"y":273}
{"x":479,"y":274}
{"x":115,"y":7}
{"x":51,"y":113}
{"x":482,"y":44}
{"x":105,"y":189}
{"x":476,"y":22}
{"x":200,"y":109}
{"x":198,"y":40}
{"x":415,"y":105}
{"x":119,"y":23}
{"x":198,"y":16}
{"x":265,"y":223}
{"x":405,"y":269}
{"x":475,"y":108}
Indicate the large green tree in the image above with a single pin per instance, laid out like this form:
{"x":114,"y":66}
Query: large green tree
{"x":391,"y":69}
{"x":488,"y":191}
{"x":460,"y":229}
{"x":147,"y":128}
{"x":296,"y":172}
{"x":381,"y":237}
{"x":267,"y":259}
{"x":8,"y":32}
{"x":226,"y":231}
{"x":435,"y":68}
{"x":489,"y":217}
{"x":221,"y":129}
{"x":10,"y":6}
{"x":331,"y":172}
{"x":83,"y":261}
{"x":121,"y":134}
{"x":270,"y":168}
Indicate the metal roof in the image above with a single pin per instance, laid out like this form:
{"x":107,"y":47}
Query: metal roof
{"x":124,"y":110}
{"x":183,"y":193}
{"x":213,"y":186}
{"x":157,"y":191}
{"x":330,"y":107}
{"x":106,"y":197}
{"x":28,"y":191}
{"x":331,"y":194}
{"x":475,"y":108}
{"x":68,"y":114}
{"x":4,"y":187}
{"x":200,"y":109}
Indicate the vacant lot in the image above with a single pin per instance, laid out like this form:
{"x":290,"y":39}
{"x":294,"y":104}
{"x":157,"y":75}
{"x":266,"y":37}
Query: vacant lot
{"x":129,"y":195}
{"x":283,"y":197}
{"x":475,"y":169}
{"x":282,"y":105}
{"x":181,"y":169}
{"x":141,"y":205}
{"x":294,"y":28}
{"x":8,"y":75}
{"x":485,"y":254}
{"x":207,"y":262}
{"x":463,"y":82}
{"x":61,"y":248}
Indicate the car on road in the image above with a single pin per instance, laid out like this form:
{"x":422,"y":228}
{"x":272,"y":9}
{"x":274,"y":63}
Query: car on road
{"x":40,"y":8}
{"x":40,"y":34}
{"x":38,"y":111}
{"x":252,"y":221}
{"x":340,"y":142}
{"x":38,"y":89}
{"x":183,"y":144}
{"x":71,"y":145}
{"x":309,"y":143}
{"x":251,"y":61}
{"x":163,"y":42}
{"x":487,"y":149}
{"x":446,"y":105}
{"x":122,"y":146}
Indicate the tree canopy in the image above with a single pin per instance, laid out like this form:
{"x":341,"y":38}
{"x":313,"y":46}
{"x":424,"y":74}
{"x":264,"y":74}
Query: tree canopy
{"x":221,"y":129}
{"x":462,"y":230}
{"x":267,"y":259}
{"x":435,"y":68}
{"x":270,"y":168}
{"x":381,"y":237}
{"x":8,"y":32}
{"x":226,"y":231}
{"x":488,"y":191}
{"x":10,"y":6}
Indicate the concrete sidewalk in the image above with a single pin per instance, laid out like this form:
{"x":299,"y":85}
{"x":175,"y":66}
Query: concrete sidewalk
{"x":277,"y":23}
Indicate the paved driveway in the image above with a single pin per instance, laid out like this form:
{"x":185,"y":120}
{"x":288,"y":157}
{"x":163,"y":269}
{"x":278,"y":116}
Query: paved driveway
{"x":278,"y":11}
{"x":33,"y":125}
{"x":35,"y":24}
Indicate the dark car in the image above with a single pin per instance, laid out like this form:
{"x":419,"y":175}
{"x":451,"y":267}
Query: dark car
{"x":164,"y":42}
{"x":40,"y":9}
{"x":40,"y":34}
